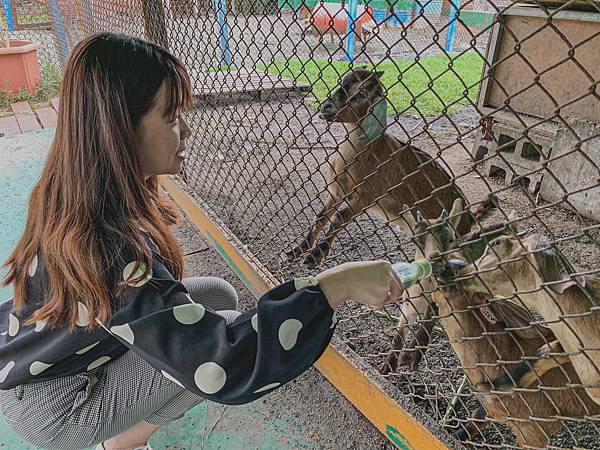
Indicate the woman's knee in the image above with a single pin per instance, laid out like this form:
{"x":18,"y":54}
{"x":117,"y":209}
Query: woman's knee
{"x":214,"y":292}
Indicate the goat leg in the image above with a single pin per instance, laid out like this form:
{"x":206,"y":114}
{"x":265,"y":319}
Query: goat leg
{"x":404,"y":352}
{"x":413,"y":352}
{"x":317,"y":226}
{"x":339,"y":221}
{"x":471,"y":429}
{"x":391,"y":361}
{"x":529,"y":373}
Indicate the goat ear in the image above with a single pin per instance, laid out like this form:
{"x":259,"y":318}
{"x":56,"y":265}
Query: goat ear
{"x":514,"y":226}
{"x":455,"y":215}
{"x":379,"y":73}
{"x":408,"y":217}
{"x":551,"y":265}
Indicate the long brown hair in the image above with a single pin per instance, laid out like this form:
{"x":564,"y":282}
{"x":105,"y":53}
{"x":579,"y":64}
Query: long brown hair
{"x":92,"y":200}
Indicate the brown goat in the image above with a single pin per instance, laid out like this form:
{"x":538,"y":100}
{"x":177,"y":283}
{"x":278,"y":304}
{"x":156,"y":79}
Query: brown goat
{"x":373,"y":170}
{"x":541,"y":276}
{"x":488,"y":351}
{"x":432,"y":238}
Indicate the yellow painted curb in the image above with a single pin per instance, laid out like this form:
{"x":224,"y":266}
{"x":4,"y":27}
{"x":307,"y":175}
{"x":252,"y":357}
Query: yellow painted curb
{"x":399,"y":426}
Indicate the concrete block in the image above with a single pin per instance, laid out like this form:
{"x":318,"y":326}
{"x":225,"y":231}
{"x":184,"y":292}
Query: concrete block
{"x":516,"y":152}
{"x":576,"y":169}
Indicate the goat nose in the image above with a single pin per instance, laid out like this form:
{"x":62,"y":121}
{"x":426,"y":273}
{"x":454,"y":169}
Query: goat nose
{"x":433,"y":255}
{"x":327,"y":106}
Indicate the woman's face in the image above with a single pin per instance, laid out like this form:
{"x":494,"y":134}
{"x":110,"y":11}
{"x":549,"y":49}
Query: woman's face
{"x":162,"y":146}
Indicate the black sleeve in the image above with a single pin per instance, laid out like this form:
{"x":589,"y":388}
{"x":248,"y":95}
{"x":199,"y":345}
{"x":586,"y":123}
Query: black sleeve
{"x":232,"y":364}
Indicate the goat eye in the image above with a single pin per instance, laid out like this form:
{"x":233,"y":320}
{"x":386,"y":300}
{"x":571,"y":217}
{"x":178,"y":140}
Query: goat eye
{"x":495,"y":243}
{"x":363,"y":94}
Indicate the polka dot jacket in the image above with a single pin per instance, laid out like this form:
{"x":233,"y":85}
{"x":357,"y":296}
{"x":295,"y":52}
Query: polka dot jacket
{"x":190,"y":344}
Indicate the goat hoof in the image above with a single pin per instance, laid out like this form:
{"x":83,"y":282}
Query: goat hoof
{"x":388,"y":366}
{"x":410,"y":360}
{"x":312,"y":261}
{"x":462,"y":435}
{"x":294,"y":253}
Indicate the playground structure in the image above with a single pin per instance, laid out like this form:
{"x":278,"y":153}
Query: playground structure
{"x":462,"y":84}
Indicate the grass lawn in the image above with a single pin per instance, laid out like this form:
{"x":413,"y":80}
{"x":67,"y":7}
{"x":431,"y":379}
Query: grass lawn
{"x":404,"y":80}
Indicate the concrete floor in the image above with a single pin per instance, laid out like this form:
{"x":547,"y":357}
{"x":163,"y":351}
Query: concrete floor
{"x":307,"y":413}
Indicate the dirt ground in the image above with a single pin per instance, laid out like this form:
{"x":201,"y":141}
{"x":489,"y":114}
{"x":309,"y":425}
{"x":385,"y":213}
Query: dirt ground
{"x":259,"y":166}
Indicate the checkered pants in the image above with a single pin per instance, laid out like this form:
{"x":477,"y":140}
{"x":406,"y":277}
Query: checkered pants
{"x":82,"y":410}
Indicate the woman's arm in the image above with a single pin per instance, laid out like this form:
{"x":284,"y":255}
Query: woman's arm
{"x":237,"y":363}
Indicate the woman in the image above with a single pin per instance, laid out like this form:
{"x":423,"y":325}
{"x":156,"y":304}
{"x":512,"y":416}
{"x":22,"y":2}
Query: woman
{"x":102,"y":343}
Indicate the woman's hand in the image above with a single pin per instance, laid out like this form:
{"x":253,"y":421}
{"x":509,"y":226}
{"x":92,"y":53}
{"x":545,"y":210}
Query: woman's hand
{"x":370,"y":282}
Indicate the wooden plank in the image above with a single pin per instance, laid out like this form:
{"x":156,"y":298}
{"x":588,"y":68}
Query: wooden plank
{"x":55,"y":101}
{"x":25,"y":117}
{"x":243,"y":81}
{"x":9,"y":126}
{"x":397,"y":424}
{"x":47,"y":117}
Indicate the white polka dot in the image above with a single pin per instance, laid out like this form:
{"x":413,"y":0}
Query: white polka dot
{"x":171,"y":377}
{"x":4,"y":334}
{"x":334,"y":320}
{"x":33,"y":266}
{"x":86,"y":349}
{"x":13,"y":325}
{"x":123,"y":331}
{"x":189,"y":314}
{"x":267,"y":387}
{"x":83,"y":315}
{"x":4,"y":372}
{"x":38,"y":367}
{"x":128,"y":273}
{"x":288,"y":333}
{"x":40,"y":325}
{"x":210,"y":377}
{"x":254,"y":322}
{"x":98,"y":362}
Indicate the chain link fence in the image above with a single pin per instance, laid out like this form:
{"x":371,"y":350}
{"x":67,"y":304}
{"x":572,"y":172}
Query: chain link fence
{"x":490,"y":102}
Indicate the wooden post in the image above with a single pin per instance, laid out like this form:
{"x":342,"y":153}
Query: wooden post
{"x":352,"y":6}
{"x":453,"y":25}
{"x":155,"y":29}
{"x":225,"y":59}
{"x":60,"y":32}
{"x":10,"y":20}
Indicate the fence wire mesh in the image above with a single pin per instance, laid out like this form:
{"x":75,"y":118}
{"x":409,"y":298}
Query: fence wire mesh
{"x":490,"y":102}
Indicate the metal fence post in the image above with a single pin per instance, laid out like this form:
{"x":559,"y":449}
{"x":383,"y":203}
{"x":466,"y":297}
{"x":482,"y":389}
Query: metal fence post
{"x":10,"y":20}
{"x":60,"y":31}
{"x":155,"y":29}
{"x":221,"y":6}
{"x":352,"y":6}
{"x":453,"y":24}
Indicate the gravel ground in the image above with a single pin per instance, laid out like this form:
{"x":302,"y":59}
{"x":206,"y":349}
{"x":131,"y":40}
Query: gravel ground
{"x":259,"y":166}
